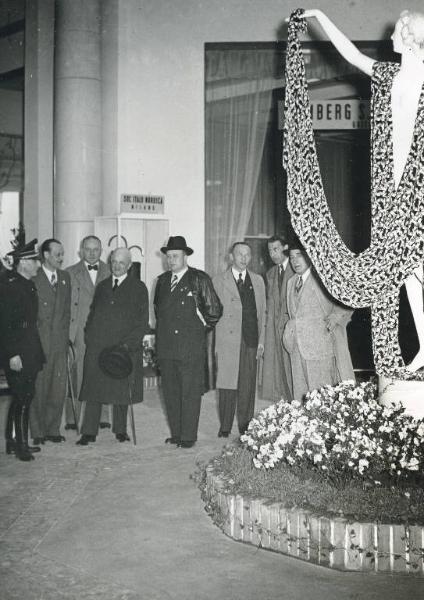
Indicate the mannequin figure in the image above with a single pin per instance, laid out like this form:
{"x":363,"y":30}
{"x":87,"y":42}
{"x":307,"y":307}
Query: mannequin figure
{"x":408,"y":41}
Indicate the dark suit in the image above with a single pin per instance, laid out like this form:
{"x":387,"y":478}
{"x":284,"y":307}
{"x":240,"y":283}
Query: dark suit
{"x":276,"y":375}
{"x":181,"y":346}
{"x":53,"y":324}
{"x":82,"y":290}
{"x":116,"y":317}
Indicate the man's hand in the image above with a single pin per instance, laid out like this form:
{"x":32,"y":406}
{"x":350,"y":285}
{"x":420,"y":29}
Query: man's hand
{"x":260,"y":351}
{"x":15,"y":363}
{"x":332,"y":320}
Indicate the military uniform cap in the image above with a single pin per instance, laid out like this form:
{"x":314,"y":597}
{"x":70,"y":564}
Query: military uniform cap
{"x":27,"y":251}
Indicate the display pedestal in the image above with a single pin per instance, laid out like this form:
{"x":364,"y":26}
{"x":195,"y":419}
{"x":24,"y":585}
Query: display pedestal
{"x":409,"y":393}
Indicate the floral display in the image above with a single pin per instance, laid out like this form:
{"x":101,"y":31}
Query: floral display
{"x":343,"y":432}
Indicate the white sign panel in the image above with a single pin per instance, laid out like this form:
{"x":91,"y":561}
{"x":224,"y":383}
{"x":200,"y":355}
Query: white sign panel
{"x":340,"y":114}
{"x":336,"y":114}
{"x":131,"y":203}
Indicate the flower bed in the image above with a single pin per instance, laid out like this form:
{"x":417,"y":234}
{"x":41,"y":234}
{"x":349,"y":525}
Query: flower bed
{"x":337,"y":481}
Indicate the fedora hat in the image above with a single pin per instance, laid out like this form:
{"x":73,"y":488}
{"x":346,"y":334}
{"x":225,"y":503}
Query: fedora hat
{"x":115,"y":361}
{"x":177,"y":242}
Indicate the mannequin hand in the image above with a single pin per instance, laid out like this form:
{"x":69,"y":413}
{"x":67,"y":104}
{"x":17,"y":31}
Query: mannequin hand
{"x":15,"y":363}
{"x":260,"y":351}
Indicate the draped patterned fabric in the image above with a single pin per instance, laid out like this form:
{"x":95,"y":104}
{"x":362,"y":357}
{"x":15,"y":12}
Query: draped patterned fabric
{"x":373,"y":277}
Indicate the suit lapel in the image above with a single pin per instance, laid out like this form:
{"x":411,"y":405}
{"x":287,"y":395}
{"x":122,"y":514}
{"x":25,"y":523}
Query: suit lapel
{"x":84,"y":277}
{"x":230,"y":283}
{"x":102,"y":273}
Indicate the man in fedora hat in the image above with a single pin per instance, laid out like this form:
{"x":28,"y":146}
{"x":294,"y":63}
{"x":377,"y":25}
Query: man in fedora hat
{"x":186,"y":306}
{"x":22,"y":353}
{"x":118,"y":318}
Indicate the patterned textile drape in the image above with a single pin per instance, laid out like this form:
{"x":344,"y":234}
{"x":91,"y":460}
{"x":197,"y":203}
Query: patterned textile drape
{"x":373,"y":277}
{"x":235,"y":133}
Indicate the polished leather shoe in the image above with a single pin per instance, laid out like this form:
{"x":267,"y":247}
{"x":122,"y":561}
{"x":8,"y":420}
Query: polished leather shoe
{"x":85,"y":439}
{"x":104,"y":425}
{"x":186,"y":444}
{"x":224,"y":434}
{"x":122,"y":437}
{"x":70,"y":426}
{"x":37,"y":441}
{"x":172,"y":440}
{"x":56,"y":439}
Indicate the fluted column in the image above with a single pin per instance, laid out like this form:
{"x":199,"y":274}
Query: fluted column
{"x":77,"y":132}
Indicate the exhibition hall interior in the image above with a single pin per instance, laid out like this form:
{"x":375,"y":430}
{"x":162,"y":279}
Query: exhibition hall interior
{"x":142,"y":123}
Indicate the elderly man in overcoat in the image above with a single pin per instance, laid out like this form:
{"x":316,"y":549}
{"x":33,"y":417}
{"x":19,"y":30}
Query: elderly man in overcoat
{"x":186,"y":306}
{"x":240,"y":338}
{"x":276,"y":374}
{"x":54,"y":311}
{"x":315,"y":333}
{"x":85,"y":276}
{"x":119,"y":317}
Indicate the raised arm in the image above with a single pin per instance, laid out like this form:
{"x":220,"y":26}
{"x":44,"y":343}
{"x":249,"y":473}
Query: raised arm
{"x":348,"y":50}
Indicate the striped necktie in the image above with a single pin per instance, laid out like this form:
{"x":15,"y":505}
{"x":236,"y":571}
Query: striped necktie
{"x":53,"y":281}
{"x":174,"y":282}
{"x":299,"y":284}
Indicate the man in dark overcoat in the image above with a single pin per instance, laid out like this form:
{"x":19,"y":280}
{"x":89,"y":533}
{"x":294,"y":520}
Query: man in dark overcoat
{"x":276,"y":374}
{"x":21,"y":351}
{"x":186,"y":305}
{"x":119,"y":317}
{"x":54,"y":311}
{"x":85,"y":275}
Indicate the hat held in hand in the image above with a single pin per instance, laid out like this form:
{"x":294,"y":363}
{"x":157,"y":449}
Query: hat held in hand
{"x":115,"y":361}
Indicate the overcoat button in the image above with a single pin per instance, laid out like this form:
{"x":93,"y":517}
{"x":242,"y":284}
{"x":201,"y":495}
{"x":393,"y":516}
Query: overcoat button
{"x":182,"y":302}
{"x":176,"y":331}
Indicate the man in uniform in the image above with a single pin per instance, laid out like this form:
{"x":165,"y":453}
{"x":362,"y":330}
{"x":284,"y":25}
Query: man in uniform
{"x":54,"y":293}
{"x":22,"y":354}
{"x":186,"y":305}
{"x":276,"y":375}
{"x":85,"y":276}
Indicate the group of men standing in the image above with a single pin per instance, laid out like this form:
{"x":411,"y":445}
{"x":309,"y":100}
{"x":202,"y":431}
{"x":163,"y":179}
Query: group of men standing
{"x":102,"y":313}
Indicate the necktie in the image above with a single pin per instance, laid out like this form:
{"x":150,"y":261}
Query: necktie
{"x":93,"y":267}
{"x":174,"y":282}
{"x":53,"y":280}
{"x":115,"y":284}
{"x":280,"y":276}
{"x":240,"y":280}
{"x":299,"y":284}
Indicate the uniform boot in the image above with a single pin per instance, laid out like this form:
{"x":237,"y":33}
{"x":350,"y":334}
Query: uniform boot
{"x":22,"y":451}
{"x":10,"y":441}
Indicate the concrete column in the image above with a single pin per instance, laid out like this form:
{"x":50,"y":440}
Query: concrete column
{"x":39,"y":50}
{"x":78,"y":113}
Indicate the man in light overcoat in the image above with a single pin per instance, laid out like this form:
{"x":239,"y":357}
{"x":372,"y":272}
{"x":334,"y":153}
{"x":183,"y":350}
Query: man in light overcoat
{"x":276,"y":374}
{"x":315,"y":333}
{"x":54,"y":311}
{"x":240,"y":336}
{"x":85,"y":276}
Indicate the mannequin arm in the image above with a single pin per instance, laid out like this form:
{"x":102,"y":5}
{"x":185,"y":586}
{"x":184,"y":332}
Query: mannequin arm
{"x":348,"y":50}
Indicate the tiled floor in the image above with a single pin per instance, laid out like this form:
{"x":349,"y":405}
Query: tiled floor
{"x":117,"y":521}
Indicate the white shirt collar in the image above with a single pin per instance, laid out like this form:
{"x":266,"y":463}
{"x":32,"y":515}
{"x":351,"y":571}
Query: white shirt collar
{"x":180,"y":274}
{"x":284,"y":263}
{"x":49,"y":273}
{"x":306,"y":274}
{"x":120,"y":279}
{"x":236,"y":274}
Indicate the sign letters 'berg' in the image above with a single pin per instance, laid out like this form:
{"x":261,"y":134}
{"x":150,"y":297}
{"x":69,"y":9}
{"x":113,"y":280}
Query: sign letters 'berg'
{"x":145,"y":204}
{"x":336,"y":114}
